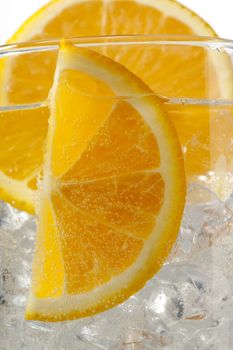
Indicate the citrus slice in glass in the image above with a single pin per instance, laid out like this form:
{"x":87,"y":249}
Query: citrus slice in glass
{"x":113,"y":191}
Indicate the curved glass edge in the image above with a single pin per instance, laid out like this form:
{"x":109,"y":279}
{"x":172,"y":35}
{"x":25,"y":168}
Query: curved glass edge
{"x":115,"y":40}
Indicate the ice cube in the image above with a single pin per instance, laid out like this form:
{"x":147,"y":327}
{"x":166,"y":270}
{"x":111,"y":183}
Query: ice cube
{"x":166,"y":303}
{"x":211,"y":338}
{"x":11,"y":218}
{"x":160,"y":334}
{"x":205,"y":219}
{"x":102,"y":332}
{"x":180,"y":293}
{"x":217,"y":262}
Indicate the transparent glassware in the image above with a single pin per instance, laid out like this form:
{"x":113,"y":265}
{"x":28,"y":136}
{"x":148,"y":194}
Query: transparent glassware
{"x":188,"y":304}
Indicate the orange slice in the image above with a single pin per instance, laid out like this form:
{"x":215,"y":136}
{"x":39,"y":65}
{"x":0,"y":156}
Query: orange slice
{"x":156,"y":65}
{"x":168,"y":70}
{"x":112,"y":196}
{"x":22,"y":137}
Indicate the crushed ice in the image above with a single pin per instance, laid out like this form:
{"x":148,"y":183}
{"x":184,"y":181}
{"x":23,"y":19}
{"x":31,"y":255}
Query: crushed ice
{"x":187,"y":305}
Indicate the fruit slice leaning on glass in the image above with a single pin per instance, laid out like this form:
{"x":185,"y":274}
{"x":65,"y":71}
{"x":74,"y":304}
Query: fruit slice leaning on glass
{"x":113,"y":191}
{"x":167,"y":70}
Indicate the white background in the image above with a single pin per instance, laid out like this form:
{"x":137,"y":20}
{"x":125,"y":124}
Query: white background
{"x":218,"y":13}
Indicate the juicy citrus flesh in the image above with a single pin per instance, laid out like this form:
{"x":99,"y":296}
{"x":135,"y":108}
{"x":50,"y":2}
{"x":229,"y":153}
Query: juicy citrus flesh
{"x":112,"y":194}
{"x":22,"y":137}
{"x":168,"y":70}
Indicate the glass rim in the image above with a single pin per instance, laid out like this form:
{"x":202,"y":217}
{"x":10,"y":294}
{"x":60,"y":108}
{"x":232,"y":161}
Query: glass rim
{"x":39,"y":46}
{"x":117,"y":40}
